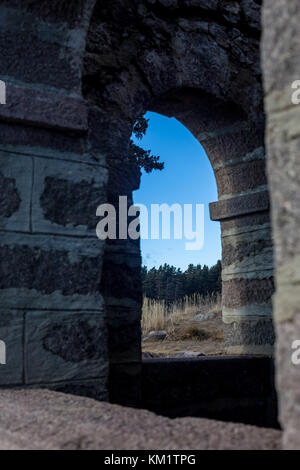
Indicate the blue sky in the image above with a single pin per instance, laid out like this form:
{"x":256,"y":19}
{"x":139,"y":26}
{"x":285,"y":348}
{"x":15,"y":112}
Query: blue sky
{"x":187,"y":178}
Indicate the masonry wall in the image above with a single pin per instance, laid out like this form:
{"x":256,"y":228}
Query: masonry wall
{"x":78,"y":75}
{"x":52,"y":178}
{"x":281,"y":68}
{"x":235,"y":389}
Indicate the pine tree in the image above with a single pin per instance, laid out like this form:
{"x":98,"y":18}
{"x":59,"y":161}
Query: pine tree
{"x":169,"y":284}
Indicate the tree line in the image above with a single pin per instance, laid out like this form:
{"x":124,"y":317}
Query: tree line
{"x":170,"y":284}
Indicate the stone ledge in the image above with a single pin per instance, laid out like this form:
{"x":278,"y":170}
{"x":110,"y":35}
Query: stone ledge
{"x":44,"y":109}
{"x":40,"y":419}
{"x":235,"y":389}
{"x":240,"y":205}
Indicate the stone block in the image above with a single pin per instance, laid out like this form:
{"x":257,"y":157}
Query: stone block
{"x":124,"y":334}
{"x":43,"y":271}
{"x":250,"y":336}
{"x":11,"y":332}
{"x":240,"y":205}
{"x":288,"y":378}
{"x":280,"y":59}
{"x":225,"y":388}
{"x":63,"y":346}
{"x":15,"y":188}
{"x":40,"y":52}
{"x":246,"y":223}
{"x":66,"y":196}
{"x":245,"y":176}
{"x":96,"y":388}
{"x":125,"y":384}
{"x":42,"y":108}
{"x":283,"y":138}
{"x":23,"y":139}
{"x":240,"y":292}
{"x":226,"y":149}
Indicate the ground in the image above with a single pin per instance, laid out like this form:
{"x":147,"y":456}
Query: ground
{"x":205,"y":337}
{"x":41,"y":419}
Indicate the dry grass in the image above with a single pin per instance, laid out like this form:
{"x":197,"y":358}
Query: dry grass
{"x":154,"y":315}
{"x":190,"y":331}
{"x":158,"y":316}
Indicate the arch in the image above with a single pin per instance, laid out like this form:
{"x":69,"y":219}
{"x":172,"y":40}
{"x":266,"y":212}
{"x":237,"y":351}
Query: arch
{"x":64,"y":145}
{"x":206,"y":73}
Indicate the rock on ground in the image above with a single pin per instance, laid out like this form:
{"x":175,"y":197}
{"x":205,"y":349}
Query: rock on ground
{"x":188,"y":354}
{"x":157,"y":335}
{"x":203,"y":317}
{"x":42,"y":419}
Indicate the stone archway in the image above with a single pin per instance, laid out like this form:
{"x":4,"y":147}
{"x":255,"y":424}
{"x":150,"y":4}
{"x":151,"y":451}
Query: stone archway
{"x":64,"y":144}
{"x":200,"y":65}
{"x":235,"y":149}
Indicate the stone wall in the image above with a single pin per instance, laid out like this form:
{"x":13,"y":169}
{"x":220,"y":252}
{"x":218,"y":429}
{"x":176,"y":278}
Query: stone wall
{"x":281,"y":68}
{"x":53,"y":175}
{"x":77,"y":77}
{"x":198,"y":62}
{"x":235,"y":389}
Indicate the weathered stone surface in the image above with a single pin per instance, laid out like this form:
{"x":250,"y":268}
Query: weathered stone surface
{"x":280,"y":58}
{"x":27,"y":275}
{"x":288,"y":377}
{"x":125,"y":386}
{"x":11,"y":201}
{"x":207,"y":55}
{"x":239,"y":205}
{"x":68,"y":345}
{"x":238,"y":292}
{"x":245,"y":333}
{"x":55,"y":12}
{"x":50,"y":272}
{"x":258,"y":266}
{"x":281,"y":68}
{"x":42,"y":108}
{"x":198,"y":61}
{"x":95,"y":388}
{"x":42,"y":52}
{"x":246,"y":223}
{"x":245,"y":176}
{"x":122,"y":277}
{"x":91,"y":388}
{"x":283,"y":139}
{"x":251,"y":11}
{"x":238,"y":247}
{"x":12,"y":332}
{"x":38,"y":419}
{"x":227,"y":388}
{"x":15,"y":187}
{"x":66,"y":196}
{"x":28,"y":140}
{"x":240,"y":146}
{"x":124,"y":333}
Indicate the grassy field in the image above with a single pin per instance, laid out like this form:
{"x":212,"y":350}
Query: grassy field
{"x":183,"y":332}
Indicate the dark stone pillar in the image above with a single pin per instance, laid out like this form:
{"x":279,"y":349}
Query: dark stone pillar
{"x":247,"y":253}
